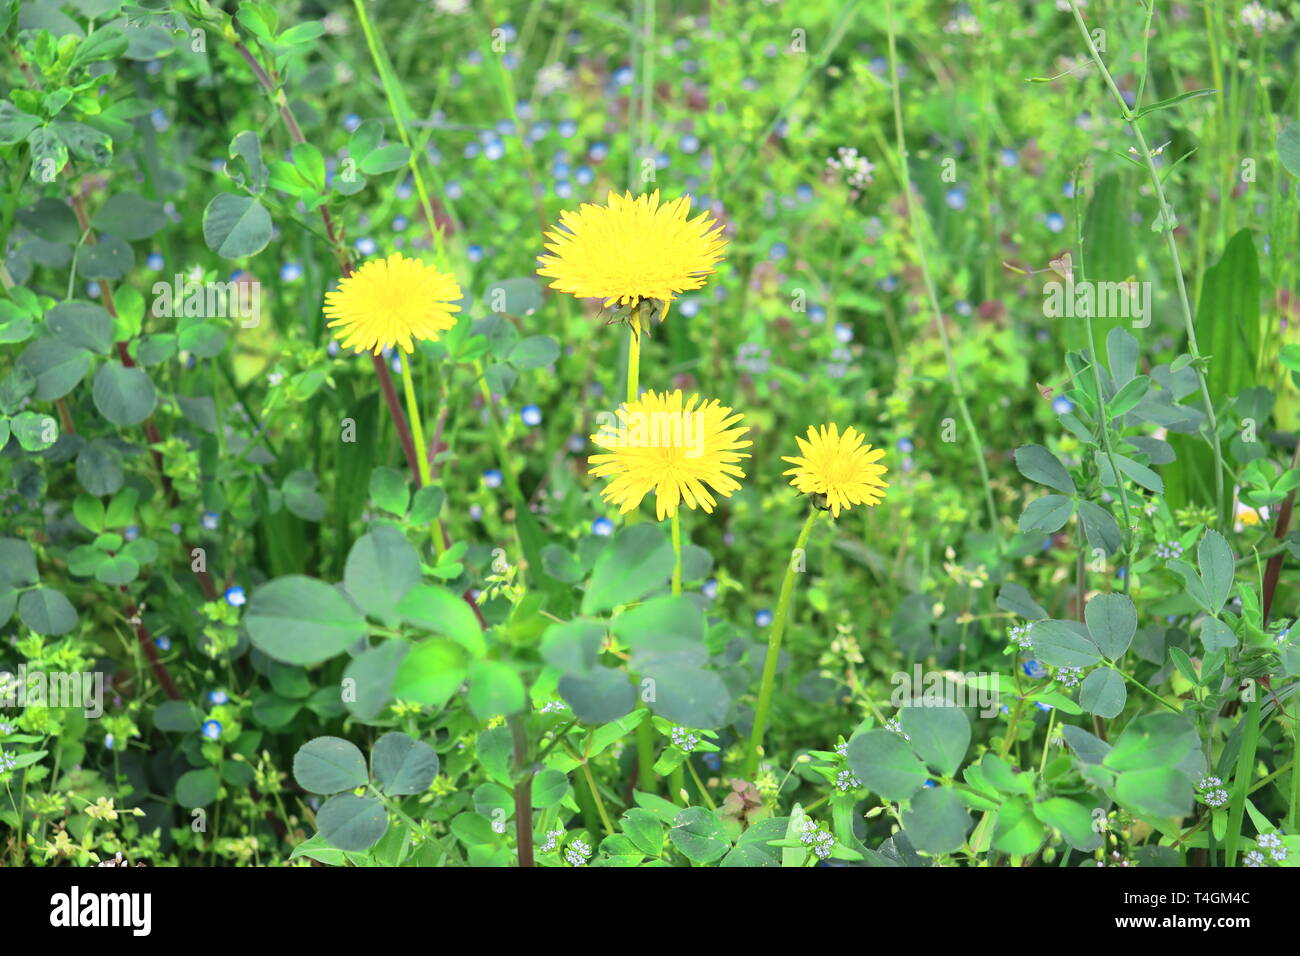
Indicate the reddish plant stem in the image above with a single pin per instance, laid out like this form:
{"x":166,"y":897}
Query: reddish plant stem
{"x":269,"y":84}
{"x":133,"y":613}
{"x":1273,"y":570}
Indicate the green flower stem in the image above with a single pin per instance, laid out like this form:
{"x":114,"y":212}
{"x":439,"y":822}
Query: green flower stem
{"x":704,"y":791}
{"x":634,"y":358}
{"x":1241,"y":780}
{"x":1222,"y":508}
{"x":677,"y":552}
{"x":1293,"y":813}
{"x":774,"y":650}
{"x":421,"y":449}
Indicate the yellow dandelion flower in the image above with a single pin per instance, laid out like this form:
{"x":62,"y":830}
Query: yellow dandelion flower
{"x":678,"y":448}
{"x":391,"y":302}
{"x":632,"y":249}
{"x":838,"y":468}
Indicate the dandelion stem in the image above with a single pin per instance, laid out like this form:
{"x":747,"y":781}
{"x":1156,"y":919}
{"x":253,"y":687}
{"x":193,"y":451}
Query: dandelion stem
{"x":774,"y":649}
{"x":677,"y":552}
{"x":634,"y":359}
{"x":421,"y":449}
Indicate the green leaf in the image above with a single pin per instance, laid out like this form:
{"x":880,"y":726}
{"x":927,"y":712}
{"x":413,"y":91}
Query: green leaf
{"x":1215,"y":635}
{"x":1128,"y":396}
{"x":549,"y":787}
{"x":1017,"y":832}
{"x":56,"y":366}
{"x":352,"y":823}
{"x":109,"y":258}
{"x":84,"y":325}
{"x":937,"y":821}
{"x":329,"y":765}
{"x":15,"y":125}
{"x":1112,"y":621}
{"x":495,"y":689}
{"x":1014,"y":598}
{"x":885,"y":764}
{"x":638,"y":561}
{"x":47,"y":612}
{"x":1038,"y":464}
{"x":130,"y":216}
{"x":573,"y":647}
{"x":299,"y":620}
{"x":198,"y":788}
{"x":1099,"y":527}
{"x":1140,"y":473}
{"x":1074,"y":821}
{"x":698,"y":835}
{"x":1103,"y":693}
{"x":1063,"y":644}
{"x":1171,"y":101}
{"x":1047,"y":514}
{"x":17,"y":563}
{"x":442,"y":612}
{"x":403,"y":765}
{"x":370,"y":677}
{"x":1158,"y":792}
{"x":35,"y":432}
{"x":1214,"y":557}
{"x":385,"y":159}
{"x":389,"y":490}
{"x":381,"y":567}
{"x":49,"y":154}
{"x":940,"y":735}
{"x":1288,"y":146}
{"x":536,"y":351}
{"x":125,"y":396}
{"x":236,"y":226}
{"x":603,"y":695}
{"x":431,"y":673}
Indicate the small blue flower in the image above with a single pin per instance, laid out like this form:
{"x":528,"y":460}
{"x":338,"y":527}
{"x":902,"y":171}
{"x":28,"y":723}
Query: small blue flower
{"x":400,"y":223}
{"x":494,"y":150}
{"x":598,"y":151}
{"x":351,"y":122}
{"x":844,"y":333}
{"x":689,"y":308}
{"x":154,"y":262}
{"x":1009,"y":157}
{"x":476,"y":512}
{"x":710,"y":589}
{"x":290,"y":272}
{"x":131,"y":533}
{"x":956,"y":198}
{"x":603,"y":527}
{"x":108,"y":741}
{"x":1035,"y":670}
{"x":92,"y":290}
{"x":211,"y":729}
{"x":931,"y":784}
{"x":1041,"y":706}
{"x":712,"y":760}
{"x":563,"y":188}
{"x":492,"y":478}
{"x":567,"y":128}
{"x":779,"y":250}
{"x":475,"y":253}
{"x":763,"y":617}
{"x":366,"y":246}
{"x":816,"y":314}
{"x":235,"y":596}
{"x":217,"y":697}
{"x":576,"y":443}
{"x":905,"y":445}
{"x":689,"y":143}
{"x":1068,"y":189}
{"x":163,"y":643}
{"x":210,"y":520}
{"x":584,"y":175}
{"x":623,"y":76}
{"x":1062,"y":405}
{"x":531,"y":414}
{"x":804,"y":192}
{"x":471,"y":150}
{"x":1055,"y":221}
{"x":888,"y":283}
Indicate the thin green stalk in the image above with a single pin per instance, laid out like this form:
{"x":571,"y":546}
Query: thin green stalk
{"x":1167,"y":222}
{"x":704,"y":792}
{"x":421,"y":449}
{"x":774,"y":649}
{"x":677,"y":552}
{"x":634,"y":358}
{"x":1293,"y":813}
{"x":1241,"y":780}
{"x":914,"y":216}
